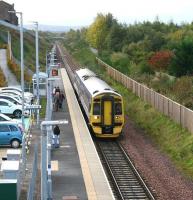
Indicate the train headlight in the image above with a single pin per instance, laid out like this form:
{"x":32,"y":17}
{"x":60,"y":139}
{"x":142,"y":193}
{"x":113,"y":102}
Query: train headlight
{"x":96,"y":117}
{"x":117,"y":117}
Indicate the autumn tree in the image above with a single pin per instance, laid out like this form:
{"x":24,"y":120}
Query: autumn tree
{"x":160,"y":60}
{"x":99,"y":29}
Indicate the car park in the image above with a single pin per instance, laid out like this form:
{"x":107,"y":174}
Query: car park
{"x":7,"y":107}
{"x":10,"y":134}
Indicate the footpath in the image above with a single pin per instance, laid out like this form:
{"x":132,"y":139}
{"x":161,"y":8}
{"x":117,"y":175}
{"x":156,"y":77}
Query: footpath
{"x":10,"y":77}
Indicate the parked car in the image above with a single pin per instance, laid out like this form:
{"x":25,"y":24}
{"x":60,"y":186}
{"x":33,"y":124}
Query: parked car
{"x":7,"y":107}
{"x":12,"y":92}
{"x":12,"y":98}
{"x":12,"y":95}
{"x":4,"y":118}
{"x":10,"y":134}
{"x":26,"y":94}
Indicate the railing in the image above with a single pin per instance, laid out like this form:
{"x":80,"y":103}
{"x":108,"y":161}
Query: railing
{"x":168,"y":107}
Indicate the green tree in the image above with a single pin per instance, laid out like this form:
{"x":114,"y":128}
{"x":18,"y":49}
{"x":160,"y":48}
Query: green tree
{"x":182,"y":62}
{"x":116,"y":37}
{"x":99,"y":29}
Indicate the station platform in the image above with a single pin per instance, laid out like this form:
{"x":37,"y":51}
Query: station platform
{"x":77,"y":172}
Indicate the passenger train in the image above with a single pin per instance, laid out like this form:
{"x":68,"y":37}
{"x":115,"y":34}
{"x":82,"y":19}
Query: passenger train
{"x":103,"y":105}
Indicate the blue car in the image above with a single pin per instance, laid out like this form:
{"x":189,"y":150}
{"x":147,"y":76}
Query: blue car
{"x":10,"y":134}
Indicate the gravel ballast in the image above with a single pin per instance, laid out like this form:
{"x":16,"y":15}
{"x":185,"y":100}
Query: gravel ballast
{"x":156,"y":168}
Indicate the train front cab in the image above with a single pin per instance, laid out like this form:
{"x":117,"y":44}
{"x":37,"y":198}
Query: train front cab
{"x":106,"y":115}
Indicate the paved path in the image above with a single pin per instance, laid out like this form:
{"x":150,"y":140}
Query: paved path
{"x":10,"y":77}
{"x":67,"y":179}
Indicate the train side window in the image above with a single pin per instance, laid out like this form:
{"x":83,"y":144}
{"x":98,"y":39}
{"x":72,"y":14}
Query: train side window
{"x":118,"y":109}
{"x":96,"y":109}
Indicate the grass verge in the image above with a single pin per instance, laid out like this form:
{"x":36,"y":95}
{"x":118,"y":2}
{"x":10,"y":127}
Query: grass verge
{"x":43,"y":102}
{"x":171,"y":138}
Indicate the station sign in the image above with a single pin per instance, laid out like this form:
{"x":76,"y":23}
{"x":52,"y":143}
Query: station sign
{"x":54,"y":72}
{"x":32,"y":107}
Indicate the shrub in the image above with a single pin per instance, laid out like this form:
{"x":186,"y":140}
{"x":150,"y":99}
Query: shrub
{"x":3,"y":82}
{"x":183,"y":91}
{"x":160,"y":60}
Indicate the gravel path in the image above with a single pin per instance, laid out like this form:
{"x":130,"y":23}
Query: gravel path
{"x":10,"y":77}
{"x":158,"y":171}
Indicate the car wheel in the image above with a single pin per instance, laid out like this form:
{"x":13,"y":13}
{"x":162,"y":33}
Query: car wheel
{"x":15,"y":144}
{"x":17,"y":113}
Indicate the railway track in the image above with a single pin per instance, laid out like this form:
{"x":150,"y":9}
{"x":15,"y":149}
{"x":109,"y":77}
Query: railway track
{"x":126,"y":180}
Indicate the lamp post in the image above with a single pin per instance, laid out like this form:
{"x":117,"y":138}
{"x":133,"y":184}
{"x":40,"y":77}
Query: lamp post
{"x":22,"y":93}
{"x":22,"y":65}
{"x":37,"y":71}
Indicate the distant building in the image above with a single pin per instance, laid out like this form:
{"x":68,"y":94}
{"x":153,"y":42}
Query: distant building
{"x":5,"y":15}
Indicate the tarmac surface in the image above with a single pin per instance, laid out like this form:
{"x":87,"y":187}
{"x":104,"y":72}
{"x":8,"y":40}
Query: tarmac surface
{"x":67,"y":177}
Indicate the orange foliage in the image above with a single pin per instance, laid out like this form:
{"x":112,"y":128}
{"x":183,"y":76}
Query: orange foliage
{"x":160,"y":60}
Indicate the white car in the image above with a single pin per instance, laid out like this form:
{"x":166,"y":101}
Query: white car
{"x":26,"y":94}
{"x":12,"y":92}
{"x":9,"y":108}
{"x":10,"y":98}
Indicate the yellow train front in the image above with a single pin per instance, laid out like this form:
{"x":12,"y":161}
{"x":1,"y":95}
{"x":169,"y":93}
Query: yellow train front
{"x":103,"y":106}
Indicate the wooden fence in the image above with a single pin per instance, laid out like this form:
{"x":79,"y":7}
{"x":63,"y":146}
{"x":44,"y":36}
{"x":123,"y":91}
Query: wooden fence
{"x":174,"y":110}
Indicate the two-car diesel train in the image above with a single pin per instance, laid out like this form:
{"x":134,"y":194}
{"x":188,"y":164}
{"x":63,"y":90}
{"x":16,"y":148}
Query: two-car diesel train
{"x":103,"y":105}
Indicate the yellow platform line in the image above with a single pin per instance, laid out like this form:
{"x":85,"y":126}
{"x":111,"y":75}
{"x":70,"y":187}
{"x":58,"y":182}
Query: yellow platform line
{"x":83,"y":161}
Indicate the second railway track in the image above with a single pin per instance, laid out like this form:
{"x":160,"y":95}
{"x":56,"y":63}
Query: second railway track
{"x":126,"y":180}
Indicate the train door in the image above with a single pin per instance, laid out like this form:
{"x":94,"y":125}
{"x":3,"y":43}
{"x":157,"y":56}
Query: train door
{"x":107,"y":113}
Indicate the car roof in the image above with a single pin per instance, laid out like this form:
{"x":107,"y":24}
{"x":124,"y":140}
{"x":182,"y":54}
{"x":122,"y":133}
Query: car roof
{"x":5,"y":100}
{"x":11,"y":91}
{"x":9,"y":122}
{"x":11,"y":96}
{"x":11,"y":87}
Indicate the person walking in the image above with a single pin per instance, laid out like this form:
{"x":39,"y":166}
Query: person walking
{"x":61,"y":99}
{"x":54,"y":92}
{"x":56,"y":136}
{"x":56,"y":101}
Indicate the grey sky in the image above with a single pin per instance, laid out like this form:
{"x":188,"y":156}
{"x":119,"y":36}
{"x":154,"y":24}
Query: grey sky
{"x":83,"y":12}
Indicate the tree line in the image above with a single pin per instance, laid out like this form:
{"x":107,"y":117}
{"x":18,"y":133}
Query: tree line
{"x":158,"y":54}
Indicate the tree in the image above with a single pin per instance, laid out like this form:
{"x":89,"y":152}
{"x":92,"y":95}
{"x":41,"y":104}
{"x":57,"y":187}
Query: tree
{"x":160,"y":60}
{"x":182,"y":62}
{"x":116,"y":37}
{"x":99,"y":29}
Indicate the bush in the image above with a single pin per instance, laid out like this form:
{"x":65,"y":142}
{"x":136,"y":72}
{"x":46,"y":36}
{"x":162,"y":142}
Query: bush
{"x":145,"y":68}
{"x":3,"y":82}
{"x":183,"y":91}
{"x":121,"y":62}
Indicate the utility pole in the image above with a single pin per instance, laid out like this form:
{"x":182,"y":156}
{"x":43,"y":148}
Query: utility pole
{"x":37,"y":72}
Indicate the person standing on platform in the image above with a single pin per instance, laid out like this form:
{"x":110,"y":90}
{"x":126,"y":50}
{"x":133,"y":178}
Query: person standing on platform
{"x":56,"y":136}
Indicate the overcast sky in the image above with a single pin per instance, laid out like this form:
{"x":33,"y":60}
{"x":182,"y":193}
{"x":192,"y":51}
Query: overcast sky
{"x":83,"y":12}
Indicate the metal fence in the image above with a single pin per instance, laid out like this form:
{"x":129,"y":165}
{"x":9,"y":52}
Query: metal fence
{"x":168,"y":107}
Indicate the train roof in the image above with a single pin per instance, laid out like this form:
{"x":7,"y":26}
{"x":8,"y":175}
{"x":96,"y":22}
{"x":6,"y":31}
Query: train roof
{"x":94,"y":85}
